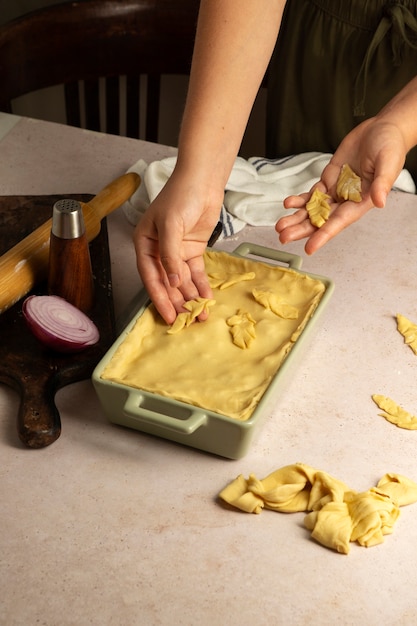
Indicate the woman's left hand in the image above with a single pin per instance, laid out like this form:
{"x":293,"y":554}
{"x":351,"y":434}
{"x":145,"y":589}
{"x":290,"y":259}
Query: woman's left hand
{"x":376,"y":151}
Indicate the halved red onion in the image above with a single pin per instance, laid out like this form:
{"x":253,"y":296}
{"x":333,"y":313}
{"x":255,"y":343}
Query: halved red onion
{"x":59,"y":324}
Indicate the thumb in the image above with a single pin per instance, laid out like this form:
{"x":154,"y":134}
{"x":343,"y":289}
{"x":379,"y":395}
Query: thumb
{"x":387,"y":169}
{"x":379,"y":191}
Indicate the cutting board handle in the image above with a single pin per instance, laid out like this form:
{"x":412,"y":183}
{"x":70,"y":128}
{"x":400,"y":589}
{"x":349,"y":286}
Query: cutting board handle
{"x":38,"y":422}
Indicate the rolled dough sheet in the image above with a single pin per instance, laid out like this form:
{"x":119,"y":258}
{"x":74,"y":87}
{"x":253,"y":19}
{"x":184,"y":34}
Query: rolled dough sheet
{"x":200,"y":365}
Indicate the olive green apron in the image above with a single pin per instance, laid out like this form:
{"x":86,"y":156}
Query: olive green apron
{"x":336,"y":63}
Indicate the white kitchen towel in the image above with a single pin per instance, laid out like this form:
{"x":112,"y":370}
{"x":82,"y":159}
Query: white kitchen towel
{"x":255,"y":190}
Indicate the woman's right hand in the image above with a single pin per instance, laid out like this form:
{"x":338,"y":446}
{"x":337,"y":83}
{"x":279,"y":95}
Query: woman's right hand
{"x":234,"y":43}
{"x":170,"y":241}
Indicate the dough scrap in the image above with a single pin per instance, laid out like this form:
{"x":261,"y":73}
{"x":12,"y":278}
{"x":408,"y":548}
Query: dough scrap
{"x":201,"y":365}
{"x":274,"y":303}
{"x":194,"y":308}
{"x":401,"y":490}
{"x":408,"y":330}
{"x":242,"y":327}
{"x":318,"y":208}
{"x":331,"y":526}
{"x":395,"y":414}
{"x":348,"y":185}
{"x":223,"y":280}
{"x":336,"y":514}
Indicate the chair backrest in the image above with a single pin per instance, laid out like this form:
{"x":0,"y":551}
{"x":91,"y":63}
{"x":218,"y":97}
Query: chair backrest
{"x":106,"y":53}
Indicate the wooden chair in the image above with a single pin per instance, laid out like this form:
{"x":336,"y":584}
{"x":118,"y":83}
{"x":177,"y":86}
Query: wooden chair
{"x":109,"y":55}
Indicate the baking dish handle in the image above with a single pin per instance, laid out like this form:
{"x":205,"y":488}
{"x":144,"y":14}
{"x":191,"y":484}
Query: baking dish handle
{"x":247,"y":249}
{"x":165,"y":416}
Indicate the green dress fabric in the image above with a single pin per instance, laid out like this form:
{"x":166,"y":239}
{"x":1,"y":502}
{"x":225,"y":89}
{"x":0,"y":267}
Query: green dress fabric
{"x":336,"y":63}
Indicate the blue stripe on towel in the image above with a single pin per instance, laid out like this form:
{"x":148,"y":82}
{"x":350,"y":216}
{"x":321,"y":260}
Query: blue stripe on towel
{"x":261,"y":162}
{"x":226,"y":220}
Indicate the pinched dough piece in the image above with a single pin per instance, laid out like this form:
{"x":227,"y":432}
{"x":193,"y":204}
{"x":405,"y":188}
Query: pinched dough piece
{"x":337,"y":515}
{"x":400,"y":489}
{"x":395,"y":414}
{"x":242,"y":327}
{"x":223,"y":280}
{"x":408,"y":331}
{"x":318,"y":208}
{"x":331,"y":526}
{"x":194,"y":308}
{"x":348,"y":186}
{"x":289,"y":489}
{"x":373,"y":515}
{"x":273,"y":302}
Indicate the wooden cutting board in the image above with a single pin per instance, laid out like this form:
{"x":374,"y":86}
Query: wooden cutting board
{"x":34,"y":371}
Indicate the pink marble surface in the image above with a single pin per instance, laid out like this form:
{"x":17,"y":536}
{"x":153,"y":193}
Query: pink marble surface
{"x":110,"y":526}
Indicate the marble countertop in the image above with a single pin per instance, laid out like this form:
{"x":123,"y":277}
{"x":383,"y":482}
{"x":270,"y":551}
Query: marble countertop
{"x":112,"y":526}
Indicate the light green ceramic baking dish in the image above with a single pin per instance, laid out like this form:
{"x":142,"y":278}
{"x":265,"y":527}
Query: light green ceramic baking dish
{"x":190,"y":425}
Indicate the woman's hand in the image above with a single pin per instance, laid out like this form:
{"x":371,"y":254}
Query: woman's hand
{"x":376,"y":151}
{"x":170,"y":241}
{"x":234,"y":42}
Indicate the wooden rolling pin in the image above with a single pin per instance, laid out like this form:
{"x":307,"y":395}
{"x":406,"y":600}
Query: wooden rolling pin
{"x":26,"y":264}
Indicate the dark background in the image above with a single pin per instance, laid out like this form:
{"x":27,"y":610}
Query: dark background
{"x":9,"y":9}
{"x":47,"y":104}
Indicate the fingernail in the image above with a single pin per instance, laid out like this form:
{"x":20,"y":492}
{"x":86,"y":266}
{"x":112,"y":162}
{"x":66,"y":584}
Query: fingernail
{"x":174,"y":280}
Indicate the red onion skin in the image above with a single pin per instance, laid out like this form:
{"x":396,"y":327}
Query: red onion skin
{"x":49,"y":338}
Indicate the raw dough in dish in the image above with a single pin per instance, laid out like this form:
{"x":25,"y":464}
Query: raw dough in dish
{"x":349,"y":185}
{"x":337,"y":515}
{"x":318,"y":208}
{"x":200,"y":365}
{"x":395,"y":414}
{"x":408,"y":330}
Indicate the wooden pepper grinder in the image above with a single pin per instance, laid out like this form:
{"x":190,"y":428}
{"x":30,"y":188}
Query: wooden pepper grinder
{"x":70,"y":275}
